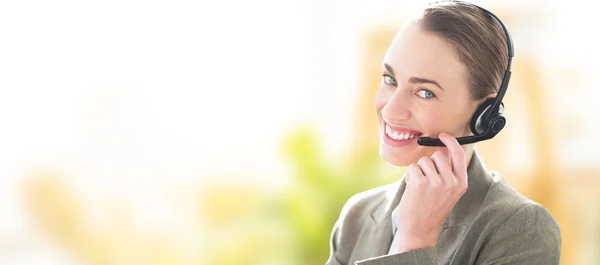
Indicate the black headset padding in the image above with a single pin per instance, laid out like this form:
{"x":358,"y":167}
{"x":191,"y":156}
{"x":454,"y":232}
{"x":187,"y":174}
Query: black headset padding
{"x":482,"y":119}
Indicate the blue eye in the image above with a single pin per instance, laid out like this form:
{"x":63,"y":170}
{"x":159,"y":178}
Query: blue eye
{"x":425,"y":94}
{"x":389,"y":80}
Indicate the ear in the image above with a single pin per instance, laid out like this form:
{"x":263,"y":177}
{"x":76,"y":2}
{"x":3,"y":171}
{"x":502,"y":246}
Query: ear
{"x":493,"y":95}
{"x":479,"y":102}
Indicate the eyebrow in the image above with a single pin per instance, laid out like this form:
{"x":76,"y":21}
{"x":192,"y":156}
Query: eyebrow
{"x":414,"y":80}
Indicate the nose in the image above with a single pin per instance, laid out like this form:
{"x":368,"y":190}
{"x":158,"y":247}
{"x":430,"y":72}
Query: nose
{"x":397,"y":109}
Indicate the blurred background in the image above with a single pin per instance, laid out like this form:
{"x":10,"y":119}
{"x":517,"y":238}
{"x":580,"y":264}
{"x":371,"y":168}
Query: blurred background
{"x":232,"y":132}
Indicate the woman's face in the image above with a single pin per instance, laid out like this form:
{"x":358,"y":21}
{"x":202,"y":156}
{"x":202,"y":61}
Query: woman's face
{"x":424,"y":91}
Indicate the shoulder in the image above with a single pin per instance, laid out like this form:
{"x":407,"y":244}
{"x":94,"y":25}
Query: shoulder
{"x":360,"y":207}
{"x":355,"y":213}
{"x":365,"y":202}
{"x":512,"y":227}
{"x":508,"y":209}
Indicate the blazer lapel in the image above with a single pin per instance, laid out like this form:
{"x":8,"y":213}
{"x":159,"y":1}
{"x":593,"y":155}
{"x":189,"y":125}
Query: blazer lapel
{"x":376,"y":236}
{"x":374,"y":241}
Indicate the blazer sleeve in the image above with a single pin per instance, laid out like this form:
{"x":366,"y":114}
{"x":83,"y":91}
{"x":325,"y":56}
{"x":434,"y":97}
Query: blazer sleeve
{"x":425,"y":256}
{"x":530,"y":236}
{"x":333,"y":245}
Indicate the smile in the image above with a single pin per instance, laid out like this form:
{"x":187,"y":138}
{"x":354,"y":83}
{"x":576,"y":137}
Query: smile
{"x":397,"y":133}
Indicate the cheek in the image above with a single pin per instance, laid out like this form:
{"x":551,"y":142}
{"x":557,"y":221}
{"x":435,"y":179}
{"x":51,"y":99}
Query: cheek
{"x":435,"y":119}
{"x":444,"y":120}
{"x":381,"y":99}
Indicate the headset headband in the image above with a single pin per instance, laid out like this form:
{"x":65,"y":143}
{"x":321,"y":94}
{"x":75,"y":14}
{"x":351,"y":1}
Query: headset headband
{"x":509,"y":44}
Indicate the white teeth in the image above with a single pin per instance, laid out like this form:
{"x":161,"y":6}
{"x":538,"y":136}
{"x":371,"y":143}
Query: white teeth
{"x":398,"y":136}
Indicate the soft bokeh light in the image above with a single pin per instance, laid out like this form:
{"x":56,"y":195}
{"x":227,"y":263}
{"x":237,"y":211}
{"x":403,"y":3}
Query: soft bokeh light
{"x":230,"y":132}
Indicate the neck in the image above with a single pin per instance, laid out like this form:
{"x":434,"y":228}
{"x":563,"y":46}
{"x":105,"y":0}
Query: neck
{"x":469,"y":150}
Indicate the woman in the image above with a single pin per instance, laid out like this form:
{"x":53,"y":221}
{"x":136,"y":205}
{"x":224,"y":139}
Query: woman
{"x":448,"y":208}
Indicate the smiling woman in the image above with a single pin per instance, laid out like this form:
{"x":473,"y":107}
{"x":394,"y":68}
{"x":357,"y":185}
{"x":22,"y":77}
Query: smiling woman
{"x":448,"y":208}
{"x":411,"y":97}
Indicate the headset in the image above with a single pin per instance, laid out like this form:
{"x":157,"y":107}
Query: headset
{"x":488,"y":120}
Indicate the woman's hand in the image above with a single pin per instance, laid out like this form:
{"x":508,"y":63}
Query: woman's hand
{"x":433,"y":186}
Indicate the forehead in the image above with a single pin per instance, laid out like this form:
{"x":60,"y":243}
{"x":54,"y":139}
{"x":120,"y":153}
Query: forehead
{"x":416,"y":52}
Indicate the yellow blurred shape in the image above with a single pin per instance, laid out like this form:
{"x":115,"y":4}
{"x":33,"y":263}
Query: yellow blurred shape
{"x":58,"y":212}
{"x":223,"y":203}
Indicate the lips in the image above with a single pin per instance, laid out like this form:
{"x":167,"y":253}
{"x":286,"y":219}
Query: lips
{"x":396,"y":135}
{"x":401,"y":134}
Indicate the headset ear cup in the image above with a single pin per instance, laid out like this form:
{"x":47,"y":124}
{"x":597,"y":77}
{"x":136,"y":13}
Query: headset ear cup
{"x":478,"y":125}
{"x":496,"y":122}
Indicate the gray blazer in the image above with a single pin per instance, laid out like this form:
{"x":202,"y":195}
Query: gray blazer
{"x":491,"y":224}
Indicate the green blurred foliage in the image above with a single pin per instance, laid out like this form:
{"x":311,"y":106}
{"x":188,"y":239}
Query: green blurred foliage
{"x":320,"y":190}
{"x":292,"y":226}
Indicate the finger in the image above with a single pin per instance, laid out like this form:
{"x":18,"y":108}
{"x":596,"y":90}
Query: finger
{"x":430,"y":172}
{"x":427,"y":166}
{"x":456,"y":154}
{"x":444,"y":151}
{"x":414,"y":174}
{"x":442,"y":162}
